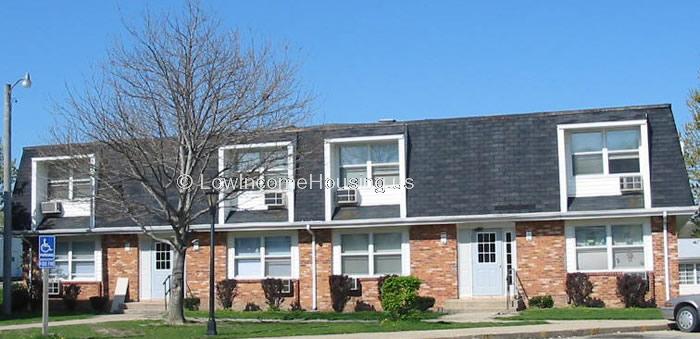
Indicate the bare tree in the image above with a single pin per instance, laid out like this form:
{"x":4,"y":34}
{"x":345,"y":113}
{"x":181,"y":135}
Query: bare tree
{"x":168,"y":97}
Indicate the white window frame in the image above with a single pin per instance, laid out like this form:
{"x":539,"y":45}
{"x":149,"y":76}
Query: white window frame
{"x":566,"y":158}
{"x":290,"y":201}
{"x":604,"y":151}
{"x":571,"y":248}
{"x":332,"y":168}
{"x":695,"y":276}
{"x":96,"y":260}
{"x":369,"y":166}
{"x":71,"y":182}
{"x":404,"y":252}
{"x":294,"y":254}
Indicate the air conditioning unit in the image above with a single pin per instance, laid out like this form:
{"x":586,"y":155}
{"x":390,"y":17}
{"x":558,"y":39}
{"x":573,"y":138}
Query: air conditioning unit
{"x":51,"y":207}
{"x":275,"y":200}
{"x":631,"y":183}
{"x":354,"y":284}
{"x":287,"y":286}
{"x":346,"y":196}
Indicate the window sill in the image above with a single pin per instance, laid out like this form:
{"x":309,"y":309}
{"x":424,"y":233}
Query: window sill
{"x":259,"y":279}
{"x":613,"y":272}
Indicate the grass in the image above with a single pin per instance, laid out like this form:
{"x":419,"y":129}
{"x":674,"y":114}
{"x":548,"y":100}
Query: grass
{"x":157,"y":329}
{"x":586,"y":313}
{"x":35,"y":317}
{"x":301,"y":315}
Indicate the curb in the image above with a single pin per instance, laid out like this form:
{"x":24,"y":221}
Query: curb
{"x":566,"y":333}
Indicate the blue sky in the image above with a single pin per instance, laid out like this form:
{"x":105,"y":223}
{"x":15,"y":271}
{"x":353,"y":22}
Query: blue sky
{"x":395,"y":59}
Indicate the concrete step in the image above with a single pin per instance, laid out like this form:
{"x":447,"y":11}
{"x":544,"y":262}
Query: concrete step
{"x":476,"y":305}
{"x":145,"y":307}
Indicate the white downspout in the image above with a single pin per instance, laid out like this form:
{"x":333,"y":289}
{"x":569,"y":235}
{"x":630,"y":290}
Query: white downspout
{"x":666,"y":268}
{"x":313,"y":267}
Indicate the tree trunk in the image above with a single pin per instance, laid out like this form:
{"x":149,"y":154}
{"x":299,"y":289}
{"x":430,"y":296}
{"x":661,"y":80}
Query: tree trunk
{"x":176,"y":314}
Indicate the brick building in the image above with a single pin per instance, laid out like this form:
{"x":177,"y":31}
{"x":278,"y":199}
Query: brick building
{"x":474,"y":207}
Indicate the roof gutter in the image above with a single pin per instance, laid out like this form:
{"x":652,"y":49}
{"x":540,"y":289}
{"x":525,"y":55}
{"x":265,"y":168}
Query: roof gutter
{"x":505,"y":217}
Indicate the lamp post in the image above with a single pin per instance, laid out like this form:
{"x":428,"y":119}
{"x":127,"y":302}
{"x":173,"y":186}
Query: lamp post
{"x":26,"y":82}
{"x":212,"y":199}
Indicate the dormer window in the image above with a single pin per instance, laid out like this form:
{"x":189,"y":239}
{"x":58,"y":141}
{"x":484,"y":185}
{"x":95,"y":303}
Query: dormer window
{"x":605,"y":152}
{"x":69,"y":180}
{"x":375,"y":161}
{"x":267,"y":164}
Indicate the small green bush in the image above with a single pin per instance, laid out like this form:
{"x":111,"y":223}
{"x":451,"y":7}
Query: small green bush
{"x":192,"y":303}
{"x":542,"y":301}
{"x":98,"y":303}
{"x":424,"y":303}
{"x":20,"y":297}
{"x":70,"y":297}
{"x":400,"y":295}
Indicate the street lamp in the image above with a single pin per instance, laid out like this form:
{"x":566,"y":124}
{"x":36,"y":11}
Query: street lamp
{"x":212,"y":199}
{"x":26,"y":82}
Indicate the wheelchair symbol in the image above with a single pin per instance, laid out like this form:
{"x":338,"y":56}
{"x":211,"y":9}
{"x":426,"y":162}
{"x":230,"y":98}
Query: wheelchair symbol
{"x":45,"y":247}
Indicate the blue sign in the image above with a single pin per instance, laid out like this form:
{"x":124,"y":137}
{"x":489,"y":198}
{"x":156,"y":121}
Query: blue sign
{"x":47,"y":251}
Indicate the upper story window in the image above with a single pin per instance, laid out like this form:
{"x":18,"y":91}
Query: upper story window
{"x":266,"y":166}
{"x":69,"y":180}
{"x":605,"y":151}
{"x":375,"y":161}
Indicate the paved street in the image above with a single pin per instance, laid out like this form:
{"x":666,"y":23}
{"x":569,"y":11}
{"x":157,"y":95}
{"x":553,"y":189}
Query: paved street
{"x":649,"y":335}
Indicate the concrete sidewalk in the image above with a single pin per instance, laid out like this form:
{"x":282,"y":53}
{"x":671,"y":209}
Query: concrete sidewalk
{"x":572,"y":328}
{"x":94,"y":320}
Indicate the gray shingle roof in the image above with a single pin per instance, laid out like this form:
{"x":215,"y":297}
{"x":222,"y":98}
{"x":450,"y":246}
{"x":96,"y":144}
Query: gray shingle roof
{"x":461,"y":166}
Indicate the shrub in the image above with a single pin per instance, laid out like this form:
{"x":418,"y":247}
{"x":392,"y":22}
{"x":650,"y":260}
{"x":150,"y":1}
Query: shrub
{"x":632,"y":290}
{"x":20,"y":297}
{"x":362,"y":306}
{"x":340,"y":291}
{"x":296,"y":307}
{"x":424,"y":303}
{"x":274,"y":297}
{"x":70,"y":296}
{"x":251,"y":307}
{"x":399,"y":295}
{"x":578,"y":288}
{"x":98,"y":303}
{"x":192,"y":303}
{"x":542,"y":301}
{"x":226,"y":292}
{"x":380,"y":283}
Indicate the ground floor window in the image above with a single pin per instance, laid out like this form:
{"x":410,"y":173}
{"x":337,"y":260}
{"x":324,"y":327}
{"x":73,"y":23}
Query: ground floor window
{"x":75,"y":260}
{"x":258,"y":256}
{"x":611,"y":247}
{"x":370,"y":253}
{"x":689,"y":274}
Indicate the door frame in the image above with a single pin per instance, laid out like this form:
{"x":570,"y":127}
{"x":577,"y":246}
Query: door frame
{"x":146,"y":259}
{"x":465,"y":258}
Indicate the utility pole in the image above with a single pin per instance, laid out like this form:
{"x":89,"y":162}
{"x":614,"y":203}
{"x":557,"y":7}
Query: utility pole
{"x":26,"y":82}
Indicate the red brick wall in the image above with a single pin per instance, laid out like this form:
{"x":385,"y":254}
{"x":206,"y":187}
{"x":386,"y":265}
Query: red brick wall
{"x":657,"y":237}
{"x":197,"y":265}
{"x":434,"y":263}
{"x":542,"y":263}
{"x":542,"y":260}
{"x":117,"y":262}
{"x":324,"y":269}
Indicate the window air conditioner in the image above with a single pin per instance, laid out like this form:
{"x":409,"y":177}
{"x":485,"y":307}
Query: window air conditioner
{"x":630,"y":183}
{"x":51,"y":207}
{"x":346,"y":196}
{"x":354,"y":284}
{"x":287,"y":286}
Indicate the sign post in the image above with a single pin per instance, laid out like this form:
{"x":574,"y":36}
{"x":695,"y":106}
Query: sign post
{"x":47,"y":260}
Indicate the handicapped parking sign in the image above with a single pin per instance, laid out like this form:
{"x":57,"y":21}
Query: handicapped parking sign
{"x":47,"y":251}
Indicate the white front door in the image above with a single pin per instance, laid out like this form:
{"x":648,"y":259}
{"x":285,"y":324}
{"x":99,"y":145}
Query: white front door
{"x":161,"y":267}
{"x":487,"y":263}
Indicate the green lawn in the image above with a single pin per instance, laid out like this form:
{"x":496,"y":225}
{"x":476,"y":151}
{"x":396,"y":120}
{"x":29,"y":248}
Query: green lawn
{"x":585,"y":313}
{"x":157,"y":329}
{"x":301,"y":315}
{"x":35,"y":317}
